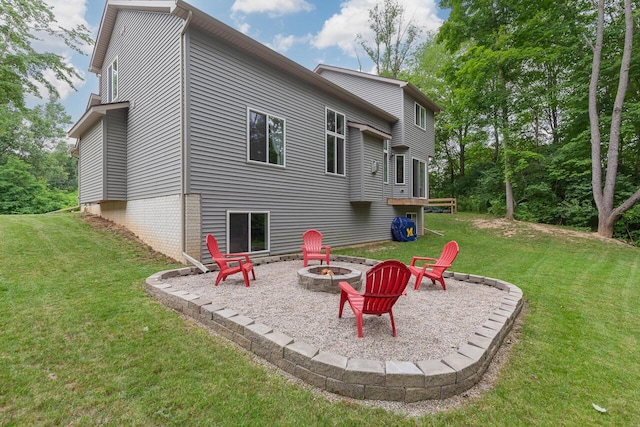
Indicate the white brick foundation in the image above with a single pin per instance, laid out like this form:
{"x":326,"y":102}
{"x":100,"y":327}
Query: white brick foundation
{"x":156,"y":221}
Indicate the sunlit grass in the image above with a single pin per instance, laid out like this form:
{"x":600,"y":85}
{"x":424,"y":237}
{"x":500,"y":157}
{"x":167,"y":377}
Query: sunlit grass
{"x":81,"y":343}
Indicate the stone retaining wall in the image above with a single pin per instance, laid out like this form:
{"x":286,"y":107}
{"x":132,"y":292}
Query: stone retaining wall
{"x":390,"y":380}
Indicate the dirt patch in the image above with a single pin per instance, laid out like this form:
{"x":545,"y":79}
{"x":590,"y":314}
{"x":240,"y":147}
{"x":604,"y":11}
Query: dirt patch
{"x":511,"y":228}
{"x":146,"y":252}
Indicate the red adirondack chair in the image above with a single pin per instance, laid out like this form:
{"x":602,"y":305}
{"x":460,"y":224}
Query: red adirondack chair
{"x":435,"y":269}
{"x":385,"y":283}
{"x":313,"y":247}
{"x":240,"y":262}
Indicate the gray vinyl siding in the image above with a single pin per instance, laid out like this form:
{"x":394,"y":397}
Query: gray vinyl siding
{"x":222,"y":84}
{"x":421,"y":142}
{"x":116,"y":154}
{"x":365,"y":186}
{"x":90,"y":166}
{"x":373,"y":182}
{"x":388,"y":96}
{"x":356,"y":161}
{"x":147,"y":46}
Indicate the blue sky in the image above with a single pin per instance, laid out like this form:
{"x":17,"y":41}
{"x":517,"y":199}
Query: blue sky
{"x":306,"y":31}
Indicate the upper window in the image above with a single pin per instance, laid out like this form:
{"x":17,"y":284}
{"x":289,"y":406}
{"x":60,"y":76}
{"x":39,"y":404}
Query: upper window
{"x":335,"y":141}
{"x":112,"y":76}
{"x":266,"y":138}
{"x":399,"y":168}
{"x":421,"y":116}
{"x":248,"y":231}
{"x":385,"y":161}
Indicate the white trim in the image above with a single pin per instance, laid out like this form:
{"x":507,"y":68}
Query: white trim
{"x":337,"y":135}
{"x":110,"y":85}
{"x":241,"y":211}
{"x":423,"y":113}
{"x":424,"y":178}
{"x":385,"y":161}
{"x":284,"y":139}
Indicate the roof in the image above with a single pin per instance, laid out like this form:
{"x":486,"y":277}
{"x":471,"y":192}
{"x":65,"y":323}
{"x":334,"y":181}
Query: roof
{"x":91,"y":117}
{"x":231,"y":36}
{"x":407,"y":86}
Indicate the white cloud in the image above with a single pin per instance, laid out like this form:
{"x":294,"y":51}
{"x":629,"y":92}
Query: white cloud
{"x":68,"y":14}
{"x":282,"y":43}
{"x":272,"y":7}
{"x":353,"y":19}
{"x":244,"y":27}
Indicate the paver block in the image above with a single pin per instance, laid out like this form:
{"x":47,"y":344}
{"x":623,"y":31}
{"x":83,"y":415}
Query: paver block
{"x":285,"y":365}
{"x":436,"y":373}
{"x":393,"y":394}
{"x":310,"y":377}
{"x":463,"y":365}
{"x":355,"y":391}
{"x":460,"y":276}
{"x":207,"y":311}
{"x":222,"y":316}
{"x":239,"y":323}
{"x":275,"y":342}
{"x":256,"y":330}
{"x":300,"y":353}
{"x":363,"y":371}
{"x":403,"y":374}
{"x":480,"y":341}
{"x":419,"y":394}
{"x":502,"y":285}
{"x":473,"y":352}
{"x":241,"y":340}
{"x":329,"y":364}
{"x":490,"y":281}
{"x":492,"y":324}
{"x":475,"y":279}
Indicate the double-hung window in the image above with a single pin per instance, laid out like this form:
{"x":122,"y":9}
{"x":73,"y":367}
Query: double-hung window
{"x":266,"y":138}
{"x":421,"y":116}
{"x":248,"y":231}
{"x":335,"y":142}
{"x":112,"y":81}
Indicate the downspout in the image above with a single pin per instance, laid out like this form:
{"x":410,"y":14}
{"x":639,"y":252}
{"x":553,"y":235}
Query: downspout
{"x":183,"y":131}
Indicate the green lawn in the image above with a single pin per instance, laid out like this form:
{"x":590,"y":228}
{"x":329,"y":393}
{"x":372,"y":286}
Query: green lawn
{"x":82,"y":344}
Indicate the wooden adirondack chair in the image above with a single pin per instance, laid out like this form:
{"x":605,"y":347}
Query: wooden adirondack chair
{"x":385,"y":283}
{"x":437,"y":267}
{"x":313,"y":247}
{"x":240,"y":262}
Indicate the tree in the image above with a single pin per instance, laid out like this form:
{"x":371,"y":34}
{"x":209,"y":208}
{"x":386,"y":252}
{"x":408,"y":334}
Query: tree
{"x":393,"y":40}
{"x":21,"y":66}
{"x":488,"y":69}
{"x":604,"y":196}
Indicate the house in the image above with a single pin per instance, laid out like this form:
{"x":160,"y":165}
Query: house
{"x":200,"y":129}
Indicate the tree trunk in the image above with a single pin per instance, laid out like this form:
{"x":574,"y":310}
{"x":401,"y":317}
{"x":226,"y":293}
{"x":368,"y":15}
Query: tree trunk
{"x":509,"y":200}
{"x":604,"y":197}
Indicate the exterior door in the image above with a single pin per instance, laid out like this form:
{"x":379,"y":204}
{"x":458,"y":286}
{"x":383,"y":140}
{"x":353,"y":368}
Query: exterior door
{"x":419,"y":173}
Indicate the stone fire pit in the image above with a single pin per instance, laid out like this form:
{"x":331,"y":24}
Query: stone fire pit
{"x":312,"y":278}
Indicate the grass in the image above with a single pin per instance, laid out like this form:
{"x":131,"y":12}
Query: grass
{"x":82,"y":344}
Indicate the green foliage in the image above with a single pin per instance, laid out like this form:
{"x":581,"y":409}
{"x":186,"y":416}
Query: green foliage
{"x":36,"y":172}
{"x":22,"y":193}
{"x":21,"y":66}
{"x":512,"y":78}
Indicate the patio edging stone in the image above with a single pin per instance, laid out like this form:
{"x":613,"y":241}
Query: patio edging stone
{"x":402,"y":381}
